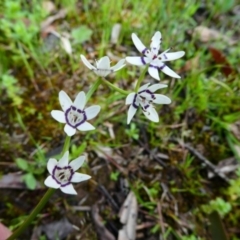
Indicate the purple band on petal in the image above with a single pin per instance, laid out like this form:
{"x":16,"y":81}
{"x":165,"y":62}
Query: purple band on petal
{"x":159,"y":68}
{"x":151,"y":93}
{"x":134,"y":100}
{"x":144,"y":50}
{"x":147,"y":91}
{"x":165,"y":56}
{"x":143,"y":61}
{"x":162,"y":67}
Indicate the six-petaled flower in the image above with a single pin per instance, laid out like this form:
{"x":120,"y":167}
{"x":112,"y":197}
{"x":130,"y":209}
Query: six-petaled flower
{"x":152,"y":57}
{"x":74,"y":114}
{"x":103,"y":66}
{"x":145,"y":97}
{"x":63,"y":173}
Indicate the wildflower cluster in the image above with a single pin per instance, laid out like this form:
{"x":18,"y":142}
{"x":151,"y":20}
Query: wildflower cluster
{"x":75,"y":116}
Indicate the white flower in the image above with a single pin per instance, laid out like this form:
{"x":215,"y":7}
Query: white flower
{"x":103,"y":66}
{"x":145,"y":97}
{"x":63,"y":174}
{"x":74,"y":114}
{"x":156,"y":61}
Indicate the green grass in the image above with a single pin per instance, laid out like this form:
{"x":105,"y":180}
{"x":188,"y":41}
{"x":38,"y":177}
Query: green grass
{"x":205,"y":103}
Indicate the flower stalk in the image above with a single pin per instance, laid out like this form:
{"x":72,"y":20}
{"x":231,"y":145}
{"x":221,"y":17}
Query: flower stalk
{"x":41,"y":203}
{"x":141,"y":78}
{"x":33,"y":214}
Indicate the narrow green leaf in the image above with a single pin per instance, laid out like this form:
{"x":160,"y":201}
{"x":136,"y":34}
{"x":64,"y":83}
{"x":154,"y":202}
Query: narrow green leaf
{"x":216,"y":227}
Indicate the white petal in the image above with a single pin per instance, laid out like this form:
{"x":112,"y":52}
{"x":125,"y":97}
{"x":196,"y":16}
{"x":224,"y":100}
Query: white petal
{"x":131,"y":112}
{"x":77,"y":163}
{"x":155,"y":43}
{"x":87,"y":63}
{"x":59,"y":116}
{"x":79,"y":177}
{"x":63,"y":162}
{"x":66,"y":45}
{"x":169,"y":72}
{"x":153,"y":71}
{"x":80,"y":100}
{"x":64,"y":100}
{"x":86,"y":126}
{"x":138,"y":61}
{"x":119,"y":65}
{"x":104,"y":63}
{"x":51,"y":165}
{"x":171,"y":56}
{"x":130,"y":98}
{"x":50,"y":182}
{"x":92,"y":112}
{"x":156,"y":86}
{"x":70,"y":131}
{"x":68,"y":189}
{"x":144,"y":87}
{"x":151,"y":114}
{"x":137,"y":42}
{"x":161,"y":99}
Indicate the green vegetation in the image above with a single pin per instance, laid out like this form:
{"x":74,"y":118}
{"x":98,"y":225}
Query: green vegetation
{"x":151,"y":157}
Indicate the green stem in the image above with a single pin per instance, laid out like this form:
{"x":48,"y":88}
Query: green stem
{"x":93,"y":88}
{"x":141,"y":78}
{"x":42,"y":202}
{"x":33,"y":214}
{"x":66,"y":145}
{"x":115,"y":87}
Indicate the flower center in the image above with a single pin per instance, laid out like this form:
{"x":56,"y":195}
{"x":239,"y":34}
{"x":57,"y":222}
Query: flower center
{"x":75,"y":117}
{"x":146,"y":98}
{"x":63,"y":175}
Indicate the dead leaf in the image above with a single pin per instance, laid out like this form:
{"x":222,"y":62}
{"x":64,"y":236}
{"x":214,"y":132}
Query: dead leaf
{"x":64,"y":40}
{"x":220,"y":59}
{"x":206,"y":34}
{"x":191,"y":64}
{"x":48,"y":6}
{"x":235,"y":129}
{"x":115,"y":33}
{"x":66,"y":45}
{"x":110,"y":129}
{"x":61,"y":14}
{"x":225,"y":166}
{"x":14,"y":181}
{"x":102,"y":232}
{"x":58,"y":229}
{"x":128,"y":217}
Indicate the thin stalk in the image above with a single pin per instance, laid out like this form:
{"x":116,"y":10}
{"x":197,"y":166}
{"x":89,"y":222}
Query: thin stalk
{"x":33,"y":214}
{"x":115,"y":87}
{"x":42,"y":202}
{"x":93,"y":88}
{"x":66,"y":145}
{"x":141,"y":78}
